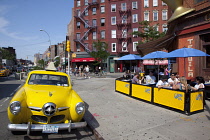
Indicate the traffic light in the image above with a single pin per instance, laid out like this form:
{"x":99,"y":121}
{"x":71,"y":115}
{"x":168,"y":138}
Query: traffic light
{"x":68,"y":47}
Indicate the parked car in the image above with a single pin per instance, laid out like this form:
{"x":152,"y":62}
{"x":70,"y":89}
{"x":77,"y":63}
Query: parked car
{"x":4,"y":72}
{"x":47,"y":103}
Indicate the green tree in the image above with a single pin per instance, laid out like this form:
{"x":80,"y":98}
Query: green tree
{"x":100,"y":54}
{"x":57,"y":61}
{"x":7,"y":55}
{"x":147,"y":32}
{"x":41,"y":63}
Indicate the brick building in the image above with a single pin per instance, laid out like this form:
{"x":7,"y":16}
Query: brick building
{"x":113,"y":21}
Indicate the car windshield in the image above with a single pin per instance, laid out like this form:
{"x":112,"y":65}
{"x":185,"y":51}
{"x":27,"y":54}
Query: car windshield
{"x":47,"y":79}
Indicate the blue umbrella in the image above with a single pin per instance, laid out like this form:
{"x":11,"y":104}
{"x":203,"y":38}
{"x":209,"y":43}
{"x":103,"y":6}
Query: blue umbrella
{"x":186,"y":52}
{"x":130,"y":57}
{"x":154,"y":55}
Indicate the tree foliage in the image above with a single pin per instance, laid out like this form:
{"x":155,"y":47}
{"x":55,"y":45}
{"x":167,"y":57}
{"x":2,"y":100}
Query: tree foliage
{"x":147,"y":32}
{"x":57,"y":61}
{"x":100,"y":52}
{"x":7,"y":55}
{"x":41,"y":63}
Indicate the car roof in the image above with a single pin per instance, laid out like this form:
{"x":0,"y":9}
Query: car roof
{"x":48,"y":72}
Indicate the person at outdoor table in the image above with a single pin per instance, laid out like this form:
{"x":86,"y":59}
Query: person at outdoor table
{"x":135,"y":79}
{"x":199,"y":83}
{"x":181,"y":84}
{"x":150,"y":79}
{"x":172,"y":79}
{"x":163,"y":82}
{"x":127,"y":74}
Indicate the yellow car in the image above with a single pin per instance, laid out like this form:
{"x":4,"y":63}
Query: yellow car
{"x":4,"y":72}
{"x":47,"y":103}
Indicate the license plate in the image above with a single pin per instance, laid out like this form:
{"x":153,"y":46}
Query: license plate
{"x":50,"y":129}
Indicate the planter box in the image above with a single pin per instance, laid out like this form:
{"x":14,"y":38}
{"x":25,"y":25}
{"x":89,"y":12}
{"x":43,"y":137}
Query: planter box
{"x":17,"y":75}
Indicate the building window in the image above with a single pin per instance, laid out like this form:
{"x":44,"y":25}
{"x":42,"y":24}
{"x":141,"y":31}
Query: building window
{"x":164,"y":15}
{"x":86,"y":2}
{"x":124,"y":19}
{"x":113,"y":20}
{"x":124,"y":46}
{"x":135,"y":44}
{"x":124,"y":33}
{"x":86,"y":12}
{"x":135,"y":30}
{"x":102,"y":34}
{"x":102,"y":21}
{"x":155,"y":3}
{"x":156,"y":27}
{"x":146,"y":15}
{"x":123,"y":7}
{"x":113,"y":33}
{"x":94,"y":11}
{"x":165,"y":28}
{"x":102,"y":9}
{"x":78,"y":3}
{"x":114,"y":47}
{"x":113,"y":8}
{"x":146,"y":3}
{"x":94,"y":35}
{"x":78,"y":36}
{"x":135,"y":18}
{"x":163,"y":3}
{"x":78,"y":12}
{"x":94,"y":22}
{"x":155,"y":15}
{"x":102,"y":1}
{"x":86,"y":23}
{"x":78,"y":47}
{"x":86,"y":36}
{"x":78,"y":25}
{"x":134,"y":5}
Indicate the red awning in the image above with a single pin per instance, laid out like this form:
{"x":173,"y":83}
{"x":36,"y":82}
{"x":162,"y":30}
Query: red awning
{"x":157,"y":62}
{"x":83,"y":60}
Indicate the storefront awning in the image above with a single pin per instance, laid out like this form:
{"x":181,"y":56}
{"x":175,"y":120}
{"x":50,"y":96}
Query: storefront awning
{"x":83,"y":60}
{"x":161,"y":43}
{"x":157,"y":62}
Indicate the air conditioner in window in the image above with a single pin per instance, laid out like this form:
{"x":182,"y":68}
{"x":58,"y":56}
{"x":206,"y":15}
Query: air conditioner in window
{"x":78,"y":50}
{"x":146,"y":6}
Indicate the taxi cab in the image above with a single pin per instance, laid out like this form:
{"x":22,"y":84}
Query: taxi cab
{"x":47,"y":103}
{"x":4,"y":72}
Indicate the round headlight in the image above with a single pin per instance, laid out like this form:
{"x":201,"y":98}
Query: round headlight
{"x":80,"y":108}
{"x":15,"y":107}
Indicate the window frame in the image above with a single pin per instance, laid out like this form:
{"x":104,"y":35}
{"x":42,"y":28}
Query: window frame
{"x":115,"y":47}
{"x":113,"y":33}
{"x":113,"y":7}
{"x":135,"y":46}
{"x":115,"y":20}
{"x":134,"y":16}
{"x":134,"y":5}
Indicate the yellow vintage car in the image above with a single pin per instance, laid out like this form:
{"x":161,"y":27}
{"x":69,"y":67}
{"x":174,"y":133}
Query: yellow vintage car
{"x":47,"y":103}
{"x":4,"y":72}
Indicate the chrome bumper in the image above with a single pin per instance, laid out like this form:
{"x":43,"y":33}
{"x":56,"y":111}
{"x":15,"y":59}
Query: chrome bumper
{"x":39,"y":127}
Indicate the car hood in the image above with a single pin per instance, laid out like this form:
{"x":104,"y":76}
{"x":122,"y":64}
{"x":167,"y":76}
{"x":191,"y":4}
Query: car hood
{"x":37,"y":96}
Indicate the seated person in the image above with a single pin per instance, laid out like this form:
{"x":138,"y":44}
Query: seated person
{"x":163,"y":82}
{"x":199,"y":83}
{"x":181,"y":85}
{"x":127,"y":74}
{"x":172,"y":79}
{"x":135,"y":79}
{"x":150,"y":79}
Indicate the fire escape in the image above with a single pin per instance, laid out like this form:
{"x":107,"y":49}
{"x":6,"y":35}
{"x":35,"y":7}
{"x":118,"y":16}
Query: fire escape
{"x":80,"y":16}
{"x":124,"y":24}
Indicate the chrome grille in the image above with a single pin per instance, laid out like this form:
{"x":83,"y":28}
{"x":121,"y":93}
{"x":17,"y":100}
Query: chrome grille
{"x":57,"y":118}
{"x":49,"y":109}
{"x":37,"y":118}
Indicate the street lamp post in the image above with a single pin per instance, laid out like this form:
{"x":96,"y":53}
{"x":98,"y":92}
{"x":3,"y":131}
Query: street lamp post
{"x":49,"y":39}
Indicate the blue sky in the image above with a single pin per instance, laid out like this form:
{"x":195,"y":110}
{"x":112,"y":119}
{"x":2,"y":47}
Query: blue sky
{"x":21,"y":21}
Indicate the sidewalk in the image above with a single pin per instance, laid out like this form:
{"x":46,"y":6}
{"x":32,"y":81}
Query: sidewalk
{"x":115,"y":116}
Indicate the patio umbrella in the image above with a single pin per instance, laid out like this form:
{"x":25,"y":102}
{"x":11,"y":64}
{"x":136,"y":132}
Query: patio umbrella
{"x":130,"y":57}
{"x":186,"y":52}
{"x":156,"y":55}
